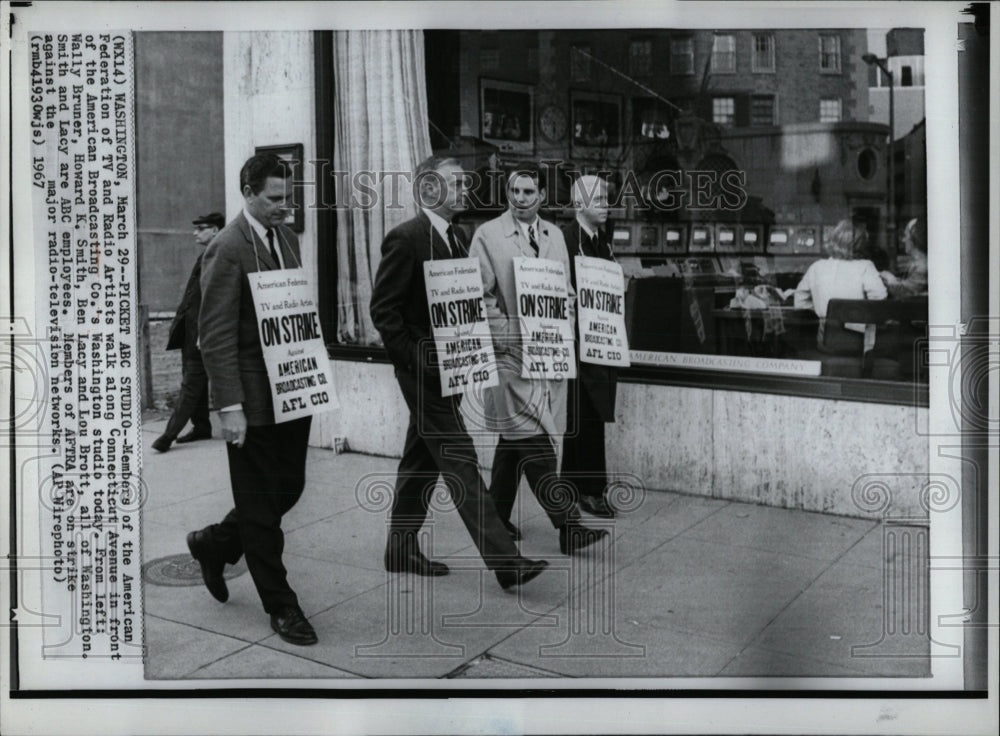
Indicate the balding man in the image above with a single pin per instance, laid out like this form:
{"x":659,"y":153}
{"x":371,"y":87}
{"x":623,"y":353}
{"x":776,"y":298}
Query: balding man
{"x":592,"y":393}
{"x":437,"y":442}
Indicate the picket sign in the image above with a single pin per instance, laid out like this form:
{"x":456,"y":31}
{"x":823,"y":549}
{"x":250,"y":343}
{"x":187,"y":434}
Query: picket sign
{"x":298,"y":366}
{"x":461,"y":332}
{"x":543,"y":311}
{"x":600,"y":310}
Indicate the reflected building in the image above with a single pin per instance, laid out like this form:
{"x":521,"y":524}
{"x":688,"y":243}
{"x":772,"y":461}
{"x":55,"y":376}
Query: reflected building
{"x":789,"y":109}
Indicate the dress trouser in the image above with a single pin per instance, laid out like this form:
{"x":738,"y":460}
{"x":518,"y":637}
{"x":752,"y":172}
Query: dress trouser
{"x":535,"y":457}
{"x":584,"y":464}
{"x":267,"y":475}
{"x":193,"y":400}
{"x":438,"y":443}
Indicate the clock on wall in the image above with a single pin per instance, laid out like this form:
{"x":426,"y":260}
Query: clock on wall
{"x":552,"y":123}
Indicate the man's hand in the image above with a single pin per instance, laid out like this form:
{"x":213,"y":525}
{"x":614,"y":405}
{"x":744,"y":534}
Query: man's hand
{"x":234,"y":426}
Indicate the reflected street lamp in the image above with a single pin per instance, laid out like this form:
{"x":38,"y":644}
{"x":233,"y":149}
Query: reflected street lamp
{"x":871,"y":59}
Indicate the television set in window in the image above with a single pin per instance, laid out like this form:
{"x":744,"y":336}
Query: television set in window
{"x":622,"y":241}
{"x":727,"y":238}
{"x":674,"y":239}
{"x":752,"y":238}
{"x":649,"y":240}
{"x":780,"y":240}
{"x":806,"y":240}
{"x":702,"y":239}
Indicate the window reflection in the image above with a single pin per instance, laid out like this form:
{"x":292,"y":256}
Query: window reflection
{"x":724,"y":187}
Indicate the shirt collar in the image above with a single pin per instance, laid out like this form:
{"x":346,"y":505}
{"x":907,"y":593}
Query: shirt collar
{"x":525,"y":225}
{"x":586,"y":228}
{"x":262,"y":234}
{"x":439,"y":223}
{"x":255,"y":224}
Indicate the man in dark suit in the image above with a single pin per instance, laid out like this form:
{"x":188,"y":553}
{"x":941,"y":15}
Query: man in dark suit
{"x":437,"y":441}
{"x":592,"y":394}
{"x":193,"y":401}
{"x":267,"y":461}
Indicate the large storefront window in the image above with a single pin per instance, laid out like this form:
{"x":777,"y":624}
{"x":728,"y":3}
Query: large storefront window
{"x":753,"y":241}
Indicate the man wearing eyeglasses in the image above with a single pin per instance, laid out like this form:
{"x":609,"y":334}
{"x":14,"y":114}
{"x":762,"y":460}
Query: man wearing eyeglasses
{"x":193,"y":400}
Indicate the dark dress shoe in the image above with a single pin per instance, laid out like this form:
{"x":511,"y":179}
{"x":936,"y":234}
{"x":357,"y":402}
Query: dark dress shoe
{"x":593,"y":505}
{"x":403,"y":556}
{"x":211,"y":566}
{"x":574,"y":537}
{"x":194,"y":435}
{"x":162,"y":443}
{"x":520,"y":572}
{"x":512,"y":530}
{"x":291,"y":625}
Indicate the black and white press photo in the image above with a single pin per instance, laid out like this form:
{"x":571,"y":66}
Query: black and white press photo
{"x":563,"y":350}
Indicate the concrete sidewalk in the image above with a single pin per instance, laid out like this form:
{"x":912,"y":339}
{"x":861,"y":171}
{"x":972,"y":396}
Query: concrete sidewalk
{"x":687,"y":587}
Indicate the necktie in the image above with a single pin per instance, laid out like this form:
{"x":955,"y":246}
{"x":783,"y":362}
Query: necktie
{"x":531,"y":239}
{"x":600,"y":246}
{"x":270,"y":245}
{"x":457,"y":250}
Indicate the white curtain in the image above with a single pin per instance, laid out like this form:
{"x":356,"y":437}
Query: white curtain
{"x":380,"y":114}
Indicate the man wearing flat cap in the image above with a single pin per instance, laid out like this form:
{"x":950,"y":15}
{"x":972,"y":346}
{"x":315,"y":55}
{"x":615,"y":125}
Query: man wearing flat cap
{"x":193,"y":400}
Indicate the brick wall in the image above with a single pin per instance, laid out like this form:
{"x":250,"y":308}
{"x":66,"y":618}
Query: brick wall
{"x":797,"y":82}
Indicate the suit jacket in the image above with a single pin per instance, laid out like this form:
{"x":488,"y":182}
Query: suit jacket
{"x":598,"y":382}
{"x":184,"y":328}
{"x":399,"y":300}
{"x":230,"y":342}
{"x":518,"y":407}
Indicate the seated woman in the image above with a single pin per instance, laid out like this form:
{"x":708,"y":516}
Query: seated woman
{"x":837,"y":276}
{"x":914,"y":280}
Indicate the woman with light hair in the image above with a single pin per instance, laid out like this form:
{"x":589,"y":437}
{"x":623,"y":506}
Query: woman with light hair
{"x":914,"y":281}
{"x":837,"y":276}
